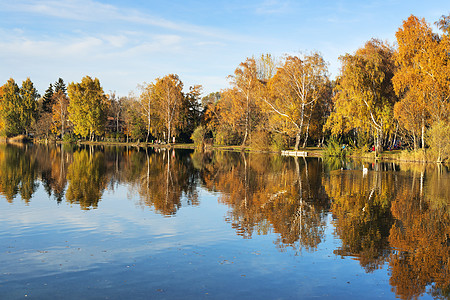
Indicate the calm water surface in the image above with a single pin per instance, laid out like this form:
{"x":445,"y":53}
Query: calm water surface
{"x":128,"y":223}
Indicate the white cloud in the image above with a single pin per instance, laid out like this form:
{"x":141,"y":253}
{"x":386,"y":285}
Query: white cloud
{"x":92,"y":11}
{"x":117,"y":41}
{"x":271,"y":7}
{"x":81,"y":10}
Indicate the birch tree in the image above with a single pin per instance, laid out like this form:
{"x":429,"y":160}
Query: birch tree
{"x":364,"y":94}
{"x":168,"y":95}
{"x":294,"y":90}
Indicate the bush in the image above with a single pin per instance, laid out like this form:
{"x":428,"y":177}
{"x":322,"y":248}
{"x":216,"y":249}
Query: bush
{"x":279,"y":142}
{"x":70,"y":137}
{"x":414,"y":155}
{"x":198,"y":136}
{"x":361,"y":151}
{"x":334,"y":148}
{"x":120,"y":137}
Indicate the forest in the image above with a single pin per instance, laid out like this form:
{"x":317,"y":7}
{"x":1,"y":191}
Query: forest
{"x":384,"y":97}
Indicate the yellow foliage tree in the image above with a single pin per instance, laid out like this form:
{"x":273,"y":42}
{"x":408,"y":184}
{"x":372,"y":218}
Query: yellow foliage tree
{"x":87,"y":107}
{"x":239,"y":103}
{"x":168,"y":96}
{"x":294,"y":92}
{"x":364,"y":93}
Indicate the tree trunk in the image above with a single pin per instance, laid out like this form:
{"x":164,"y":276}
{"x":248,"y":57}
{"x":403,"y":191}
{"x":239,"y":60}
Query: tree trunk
{"x":62,"y":129}
{"x":379,"y":146}
{"x":117,"y":123}
{"x":423,"y":133}
{"x":247,"y":117}
{"x":395,"y":137}
{"x":297,"y":139}
{"x":415,"y":141}
{"x":305,"y":142}
{"x":168,"y":133}
{"x":148,"y":128}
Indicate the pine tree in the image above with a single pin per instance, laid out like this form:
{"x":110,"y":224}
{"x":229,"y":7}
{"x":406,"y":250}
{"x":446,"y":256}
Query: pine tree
{"x":60,"y":86}
{"x":47,"y":99}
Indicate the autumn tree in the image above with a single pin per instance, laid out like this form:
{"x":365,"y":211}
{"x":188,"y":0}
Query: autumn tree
{"x":132,"y":117}
{"x":211,"y":98}
{"x":410,"y":112}
{"x":169,"y":96}
{"x":423,"y":75}
{"x":87,"y":107}
{"x":210,"y":118}
{"x":365,"y":96}
{"x":239,"y":103}
{"x":294,"y":91}
{"x":19,"y":107}
{"x":60,"y":112}
{"x":115,"y":109}
{"x":266,"y":67}
{"x":10,"y":101}
{"x":147,"y":101}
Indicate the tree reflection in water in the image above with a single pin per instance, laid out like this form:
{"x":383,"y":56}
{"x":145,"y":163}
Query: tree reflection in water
{"x":401,"y":219}
{"x":87,"y":178}
{"x":362,"y":216}
{"x":18,"y":172}
{"x":269,"y":193}
{"x":420,"y":236}
{"x":385,"y":218}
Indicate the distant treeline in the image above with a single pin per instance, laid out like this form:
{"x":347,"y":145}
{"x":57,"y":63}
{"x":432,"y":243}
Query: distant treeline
{"x":384,"y":97}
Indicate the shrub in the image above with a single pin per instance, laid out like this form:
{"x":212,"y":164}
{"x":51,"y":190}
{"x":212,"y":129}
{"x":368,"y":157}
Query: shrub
{"x":198,"y":136}
{"x":70,"y":137}
{"x":279,"y":142}
{"x":414,"y":155}
{"x":334,"y":148}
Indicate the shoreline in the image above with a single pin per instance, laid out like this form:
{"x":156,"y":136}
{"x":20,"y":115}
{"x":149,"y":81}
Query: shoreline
{"x":392,"y":156}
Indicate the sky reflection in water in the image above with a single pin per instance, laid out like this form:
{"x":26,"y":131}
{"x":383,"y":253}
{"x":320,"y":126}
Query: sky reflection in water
{"x":115,"y":223}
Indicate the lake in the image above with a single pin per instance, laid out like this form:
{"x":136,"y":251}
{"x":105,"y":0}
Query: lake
{"x":133,"y":223}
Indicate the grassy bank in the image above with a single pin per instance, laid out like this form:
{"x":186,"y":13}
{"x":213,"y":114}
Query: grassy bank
{"x":394,"y":155}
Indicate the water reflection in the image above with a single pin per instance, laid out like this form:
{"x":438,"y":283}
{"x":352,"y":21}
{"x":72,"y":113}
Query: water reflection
{"x":18,"y":173}
{"x":362,"y":215}
{"x":420,"y":235}
{"x":398,"y":218}
{"x":164,"y":179}
{"x":269,"y":193}
{"x":393,"y":216}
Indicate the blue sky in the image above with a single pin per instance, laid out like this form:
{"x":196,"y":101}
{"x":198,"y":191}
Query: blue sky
{"x":125,"y":43}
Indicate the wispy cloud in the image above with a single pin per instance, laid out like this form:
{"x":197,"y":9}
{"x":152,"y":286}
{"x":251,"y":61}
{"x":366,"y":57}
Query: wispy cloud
{"x":272,"y":7}
{"x":81,"y":10}
{"x":96,"y":12}
{"x":90,"y":46}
